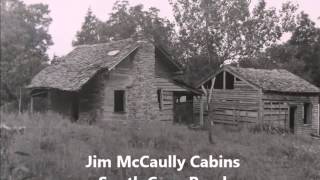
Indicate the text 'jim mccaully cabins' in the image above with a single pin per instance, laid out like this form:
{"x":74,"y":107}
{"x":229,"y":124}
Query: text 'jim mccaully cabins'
{"x":136,"y":80}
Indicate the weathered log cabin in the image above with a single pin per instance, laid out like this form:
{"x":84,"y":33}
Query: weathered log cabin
{"x":276,"y":97}
{"x":126,"y":79}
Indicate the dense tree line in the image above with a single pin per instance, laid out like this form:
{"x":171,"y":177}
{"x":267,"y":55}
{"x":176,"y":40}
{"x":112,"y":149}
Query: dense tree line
{"x":24,"y":42}
{"x":205,"y":34}
{"x":126,"y":21}
{"x":300,"y":54}
{"x":212,"y":32}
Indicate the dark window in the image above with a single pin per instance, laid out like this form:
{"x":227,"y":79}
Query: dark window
{"x":159,"y":94}
{"x":218,"y":84}
{"x":307,"y":113}
{"x":237,"y":79}
{"x":119,"y":100}
{"x":229,"y":81}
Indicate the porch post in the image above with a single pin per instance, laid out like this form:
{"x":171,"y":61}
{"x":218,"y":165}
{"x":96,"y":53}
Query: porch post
{"x":201,"y":111}
{"x":31,"y":104}
{"x":20,"y":101}
{"x":319,"y":118}
{"x":224,"y":80}
{"x":261,"y":107}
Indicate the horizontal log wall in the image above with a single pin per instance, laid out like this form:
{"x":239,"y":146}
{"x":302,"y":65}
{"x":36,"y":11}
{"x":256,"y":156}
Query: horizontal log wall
{"x":118,"y":79}
{"x":164,"y":71}
{"x":166,"y":112}
{"x":276,"y":113}
{"x":234,"y":106}
{"x":316,"y":115}
{"x":280,"y":111}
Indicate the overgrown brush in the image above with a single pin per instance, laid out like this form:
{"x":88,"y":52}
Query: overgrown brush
{"x":53,"y":148}
{"x":268,"y":128}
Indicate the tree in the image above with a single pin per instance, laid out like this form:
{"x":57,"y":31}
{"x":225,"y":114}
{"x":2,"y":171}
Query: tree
{"x":89,"y":30}
{"x":120,"y":25}
{"x":24,"y":42}
{"x":220,"y":30}
{"x":226,"y":30}
{"x":306,"y":39}
{"x":300,"y":55}
{"x":124,"y":22}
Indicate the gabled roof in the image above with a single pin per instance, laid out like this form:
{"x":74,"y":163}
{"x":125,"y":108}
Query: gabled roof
{"x":81,"y":64}
{"x":75,"y":69}
{"x":279,"y":80}
{"x":276,"y":80}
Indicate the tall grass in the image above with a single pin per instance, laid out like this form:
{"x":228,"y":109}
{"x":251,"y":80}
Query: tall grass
{"x":53,"y":148}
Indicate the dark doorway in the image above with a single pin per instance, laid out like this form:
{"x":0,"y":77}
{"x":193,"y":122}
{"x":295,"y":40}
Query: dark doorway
{"x":218,"y":84}
{"x":229,"y":81}
{"x":183,"y":108}
{"x":292,"y":118}
{"x":75,"y":107}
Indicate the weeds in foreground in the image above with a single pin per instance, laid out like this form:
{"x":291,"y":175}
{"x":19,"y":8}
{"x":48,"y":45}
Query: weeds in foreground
{"x":53,"y":148}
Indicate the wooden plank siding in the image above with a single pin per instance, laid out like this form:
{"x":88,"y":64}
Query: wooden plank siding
{"x":234,"y":106}
{"x":231,"y":106}
{"x":242,"y":101}
{"x":167,"y":88}
{"x":166,"y":112}
{"x":276,"y":113}
{"x":276,"y":109}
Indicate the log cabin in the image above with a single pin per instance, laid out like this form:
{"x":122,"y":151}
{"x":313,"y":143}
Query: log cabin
{"x":275,"y":97}
{"x":126,"y":79}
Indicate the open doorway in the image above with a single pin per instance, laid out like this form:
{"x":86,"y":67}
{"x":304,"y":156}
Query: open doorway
{"x":292,"y":117}
{"x":183,"y":108}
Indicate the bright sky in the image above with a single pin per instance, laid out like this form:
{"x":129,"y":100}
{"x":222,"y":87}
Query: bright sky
{"x":68,"y":15}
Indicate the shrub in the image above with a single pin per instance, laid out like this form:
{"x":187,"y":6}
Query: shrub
{"x":54,"y":148}
{"x":268,"y":128}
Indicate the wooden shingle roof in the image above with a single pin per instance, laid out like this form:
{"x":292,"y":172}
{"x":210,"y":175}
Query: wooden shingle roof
{"x":278,"y":80}
{"x":81,"y":64}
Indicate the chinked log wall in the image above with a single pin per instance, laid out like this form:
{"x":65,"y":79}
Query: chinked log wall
{"x":276,"y":113}
{"x":163,"y":73}
{"x":233,"y":106}
{"x":277,"y":110}
{"x":167,"y":88}
{"x":236,"y":106}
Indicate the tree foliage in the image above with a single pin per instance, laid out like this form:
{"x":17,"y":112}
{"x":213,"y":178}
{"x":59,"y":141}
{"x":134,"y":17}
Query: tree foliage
{"x":226,"y":29}
{"x":24,"y":42}
{"x":126,"y":21}
{"x":300,"y":55}
{"x":305,"y":48}
{"x":89,"y":30}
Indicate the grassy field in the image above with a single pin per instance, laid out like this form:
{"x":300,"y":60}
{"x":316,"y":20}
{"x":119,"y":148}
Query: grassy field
{"x":52,"y":148}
